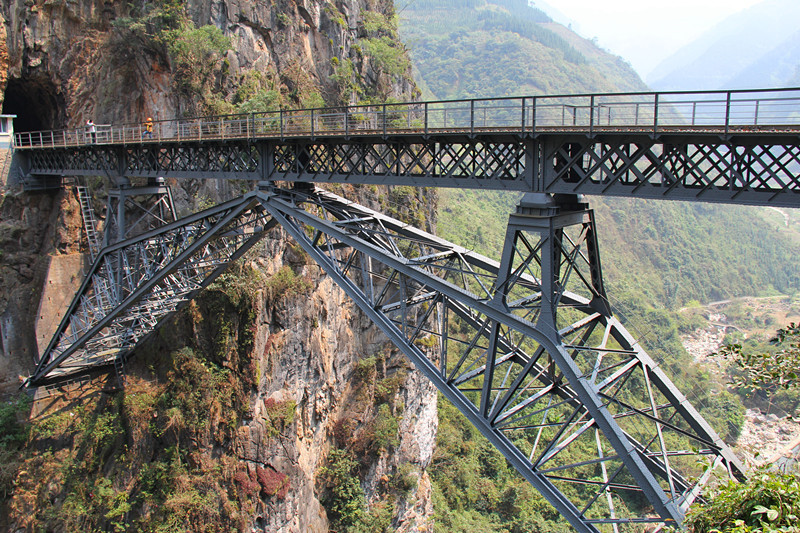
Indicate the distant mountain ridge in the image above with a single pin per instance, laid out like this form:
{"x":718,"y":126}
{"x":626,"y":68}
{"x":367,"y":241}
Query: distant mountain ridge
{"x":495,"y":48}
{"x":758,"y":47}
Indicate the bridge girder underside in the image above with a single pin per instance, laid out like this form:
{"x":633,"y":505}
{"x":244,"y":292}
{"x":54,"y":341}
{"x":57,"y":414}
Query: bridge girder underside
{"x":753,"y":169}
{"x":528,"y":348}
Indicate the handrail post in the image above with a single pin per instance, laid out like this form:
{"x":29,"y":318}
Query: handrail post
{"x":384,"y":120}
{"x":727,"y":112}
{"x":281,"y":121}
{"x":533,"y":116}
{"x":472,"y":117}
{"x":312,"y":124}
{"x":522,"y":124}
{"x":655,"y":115}
{"x":426,"y":119}
{"x":591,"y":115}
{"x":755,"y":123}
{"x":346,"y":122}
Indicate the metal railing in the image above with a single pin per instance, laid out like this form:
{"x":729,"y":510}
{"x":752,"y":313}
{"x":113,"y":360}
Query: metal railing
{"x":716,"y":111}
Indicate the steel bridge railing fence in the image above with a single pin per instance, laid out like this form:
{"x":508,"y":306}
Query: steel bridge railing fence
{"x":645,"y":112}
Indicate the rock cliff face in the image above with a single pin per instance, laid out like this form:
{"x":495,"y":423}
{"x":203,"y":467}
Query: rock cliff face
{"x":318,"y":351}
{"x":111,"y":61}
{"x":312,"y":380}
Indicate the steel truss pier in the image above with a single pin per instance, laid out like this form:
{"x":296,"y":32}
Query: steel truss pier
{"x":527,"y":348}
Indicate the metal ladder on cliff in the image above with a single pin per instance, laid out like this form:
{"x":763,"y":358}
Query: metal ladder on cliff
{"x":103,"y":293}
{"x":119,"y":371}
{"x":89,"y":220}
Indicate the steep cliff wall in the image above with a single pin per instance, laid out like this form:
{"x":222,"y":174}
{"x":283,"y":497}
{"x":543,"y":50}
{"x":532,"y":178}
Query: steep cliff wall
{"x":120,"y":61}
{"x":256,"y":405}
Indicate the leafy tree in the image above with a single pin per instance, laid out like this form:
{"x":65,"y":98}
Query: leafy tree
{"x":194,"y":53}
{"x":345,"y":500}
{"x":767,"y":371}
{"x":768,"y":502}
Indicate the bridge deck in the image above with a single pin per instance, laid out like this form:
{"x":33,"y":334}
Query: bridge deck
{"x":735,"y":146}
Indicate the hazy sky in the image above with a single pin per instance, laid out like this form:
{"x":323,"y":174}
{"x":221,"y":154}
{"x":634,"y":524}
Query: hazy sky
{"x":621,"y":26}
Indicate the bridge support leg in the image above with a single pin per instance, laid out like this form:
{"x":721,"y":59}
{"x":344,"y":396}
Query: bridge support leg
{"x":527,"y":349}
{"x":538,"y":240}
{"x":131,"y":211}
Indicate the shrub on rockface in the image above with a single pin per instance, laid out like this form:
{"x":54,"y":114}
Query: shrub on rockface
{"x":767,"y":502}
{"x":343,"y":497}
{"x":272,"y":482}
{"x":195,"y":54}
{"x":14,"y":433}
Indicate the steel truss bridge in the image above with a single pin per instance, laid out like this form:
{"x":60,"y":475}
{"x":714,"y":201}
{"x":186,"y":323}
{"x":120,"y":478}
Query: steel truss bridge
{"x":527,"y":347}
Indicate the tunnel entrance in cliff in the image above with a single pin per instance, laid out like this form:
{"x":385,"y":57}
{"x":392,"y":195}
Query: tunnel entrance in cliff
{"x":36,"y":104}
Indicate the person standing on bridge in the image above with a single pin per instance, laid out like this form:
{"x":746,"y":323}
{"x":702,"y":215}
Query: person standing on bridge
{"x":91,"y":130}
{"x":148,"y":128}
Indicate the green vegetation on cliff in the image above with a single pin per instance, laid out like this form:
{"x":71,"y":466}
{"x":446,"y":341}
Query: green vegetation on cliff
{"x":160,"y":455}
{"x":194,"y":54}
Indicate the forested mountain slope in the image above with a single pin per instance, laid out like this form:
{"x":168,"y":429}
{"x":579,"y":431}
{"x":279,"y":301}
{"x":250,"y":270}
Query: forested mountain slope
{"x":656,"y":255}
{"x":475,"y":49}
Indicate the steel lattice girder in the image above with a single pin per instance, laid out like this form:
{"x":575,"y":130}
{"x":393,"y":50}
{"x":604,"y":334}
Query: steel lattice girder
{"x":89,"y":161}
{"x":766,"y":172}
{"x":494,"y":163}
{"x":581,"y":411}
{"x":239,"y":160}
{"x":134,"y":284}
{"x":757,"y":168}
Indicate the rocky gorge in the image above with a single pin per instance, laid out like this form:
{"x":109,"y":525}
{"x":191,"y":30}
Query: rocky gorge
{"x":766,"y":434}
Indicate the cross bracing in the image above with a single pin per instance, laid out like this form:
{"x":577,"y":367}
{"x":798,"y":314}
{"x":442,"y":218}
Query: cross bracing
{"x":548,"y":375}
{"x":527,"y":348}
{"x":133,"y":284}
{"x":740,"y":147}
